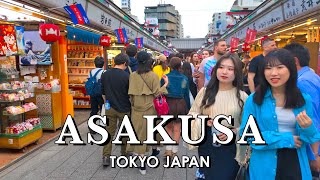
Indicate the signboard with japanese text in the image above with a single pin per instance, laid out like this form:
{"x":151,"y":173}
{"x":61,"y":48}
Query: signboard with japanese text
{"x":250,"y":35}
{"x":234,"y":42}
{"x":77,"y":14}
{"x":101,"y":18}
{"x":296,"y":8}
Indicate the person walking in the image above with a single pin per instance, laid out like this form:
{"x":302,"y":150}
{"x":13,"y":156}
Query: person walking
{"x":223,"y":95}
{"x":286,"y":128}
{"x":144,"y":86}
{"x":309,"y":83}
{"x":131,"y":51}
{"x":115,"y":85}
{"x":178,"y":101}
{"x":161,"y":68}
{"x":255,"y":64}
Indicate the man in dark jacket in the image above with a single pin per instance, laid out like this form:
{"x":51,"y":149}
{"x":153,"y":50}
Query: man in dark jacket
{"x":131,"y":51}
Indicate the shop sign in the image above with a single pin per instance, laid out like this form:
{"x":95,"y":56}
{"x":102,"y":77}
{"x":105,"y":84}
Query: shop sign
{"x":268,"y":21}
{"x":250,"y":35}
{"x":296,"y":8}
{"x":234,"y":42}
{"x":102,"y":19}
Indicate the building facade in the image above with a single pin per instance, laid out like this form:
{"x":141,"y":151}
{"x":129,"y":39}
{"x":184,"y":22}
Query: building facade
{"x":169,"y":20}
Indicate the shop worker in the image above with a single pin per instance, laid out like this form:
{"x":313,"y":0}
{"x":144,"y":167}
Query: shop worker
{"x":96,"y":101}
{"x":256,"y":63}
{"x":308,"y":82}
{"x":115,"y":84}
{"x":131,"y":51}
{"x":207,"y":64}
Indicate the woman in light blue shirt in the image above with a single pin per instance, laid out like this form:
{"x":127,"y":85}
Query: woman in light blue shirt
{"x":284,"y":117}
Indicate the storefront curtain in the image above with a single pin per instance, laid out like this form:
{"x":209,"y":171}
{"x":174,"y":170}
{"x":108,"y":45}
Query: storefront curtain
{"x":82,"y":35}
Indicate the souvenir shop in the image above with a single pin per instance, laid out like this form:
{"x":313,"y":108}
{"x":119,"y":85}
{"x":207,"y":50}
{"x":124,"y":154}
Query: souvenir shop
{"x":285,"y":22}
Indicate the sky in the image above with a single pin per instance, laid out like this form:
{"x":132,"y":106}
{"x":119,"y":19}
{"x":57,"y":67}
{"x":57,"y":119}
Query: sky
{"x":195,"y":15}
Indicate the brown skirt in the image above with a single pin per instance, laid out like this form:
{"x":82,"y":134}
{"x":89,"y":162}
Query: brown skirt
{"x":177,"y":106}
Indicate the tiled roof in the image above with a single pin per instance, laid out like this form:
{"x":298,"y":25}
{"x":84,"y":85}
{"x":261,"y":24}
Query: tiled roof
{"x":188,"y":43}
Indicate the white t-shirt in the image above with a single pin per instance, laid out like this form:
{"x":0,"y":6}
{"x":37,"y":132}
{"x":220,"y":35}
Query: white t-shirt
{"x":93,"y":72}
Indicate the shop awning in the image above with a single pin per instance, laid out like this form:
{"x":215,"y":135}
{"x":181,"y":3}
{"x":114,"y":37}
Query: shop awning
{"x":82,"y":35}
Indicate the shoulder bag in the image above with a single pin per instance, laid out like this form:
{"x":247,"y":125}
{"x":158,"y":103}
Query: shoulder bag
{"x":159,"y":102}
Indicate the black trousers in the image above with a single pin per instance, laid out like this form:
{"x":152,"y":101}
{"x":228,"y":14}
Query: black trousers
{"x":288,"y":166}
{"x":96,"y":104}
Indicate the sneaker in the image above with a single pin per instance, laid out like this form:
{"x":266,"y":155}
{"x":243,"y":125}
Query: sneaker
{"x":143,"y":170}
{"x":155,"y":152}
{"x":106,"y":160}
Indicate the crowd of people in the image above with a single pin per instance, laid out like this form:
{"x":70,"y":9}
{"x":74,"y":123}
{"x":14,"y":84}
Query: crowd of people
{"x":277,"y":87}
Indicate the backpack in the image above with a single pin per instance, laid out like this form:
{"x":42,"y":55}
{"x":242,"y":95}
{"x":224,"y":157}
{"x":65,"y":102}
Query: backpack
{"x":94,"y":87}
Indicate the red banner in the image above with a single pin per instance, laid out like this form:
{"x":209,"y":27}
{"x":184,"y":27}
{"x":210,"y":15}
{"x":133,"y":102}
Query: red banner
{"x":250,"y":36}
{"x":234,"y":42}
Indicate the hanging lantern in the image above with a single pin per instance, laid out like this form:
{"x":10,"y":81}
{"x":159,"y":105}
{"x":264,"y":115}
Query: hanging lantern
{"x":49,"y":32}
{"x":246,"y":47}
{"x":105,"y":41}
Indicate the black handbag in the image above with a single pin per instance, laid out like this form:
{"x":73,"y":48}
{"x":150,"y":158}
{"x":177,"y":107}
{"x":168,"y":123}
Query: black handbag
{"x":243,"y":173}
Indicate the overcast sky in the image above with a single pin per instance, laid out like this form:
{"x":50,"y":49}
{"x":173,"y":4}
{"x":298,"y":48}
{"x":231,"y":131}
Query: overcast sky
{"x":195,"y":15}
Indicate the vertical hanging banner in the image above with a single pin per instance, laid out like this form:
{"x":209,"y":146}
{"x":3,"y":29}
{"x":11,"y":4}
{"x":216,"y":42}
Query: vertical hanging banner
{"x":139,"y":42}
{"x":77,"y":14}
{"x":121,"y":35}
{"x":250,"y":35}
{"x":234,"y":42}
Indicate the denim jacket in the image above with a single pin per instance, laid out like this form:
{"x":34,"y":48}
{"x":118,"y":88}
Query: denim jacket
{"x":178,"y":86}
{"x":263,"y":161}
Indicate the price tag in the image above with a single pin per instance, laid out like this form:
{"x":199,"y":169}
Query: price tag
{"x":10,"y":141}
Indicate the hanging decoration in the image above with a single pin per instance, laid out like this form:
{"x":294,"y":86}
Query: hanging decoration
{"x":232,"y":50}
{"x":105,"y":40}
{"x":121,"y":35}
{"x":49,"y":32}
{"x":264,"y":38}
{"x":246,"y":47}
{"x":77,"y":14}
{"x":139,"y":42}
{"x":250,"y":36}
{"x":234,"y":42}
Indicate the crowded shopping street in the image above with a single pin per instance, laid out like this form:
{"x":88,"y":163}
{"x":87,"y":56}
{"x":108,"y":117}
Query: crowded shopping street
{"x":160,"y":90}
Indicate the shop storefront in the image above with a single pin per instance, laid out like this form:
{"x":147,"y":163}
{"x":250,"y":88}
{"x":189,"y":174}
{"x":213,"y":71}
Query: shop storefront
{"x":41,"y":82}
{"x":285,"y":22}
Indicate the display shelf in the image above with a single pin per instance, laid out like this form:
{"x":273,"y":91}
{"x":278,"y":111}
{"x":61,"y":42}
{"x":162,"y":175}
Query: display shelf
{"x":21,"y":134}
{"x":8,"y":102}
{"x":78,"y":74}
{"x":12,"y":90}
{"x":82,"y":67}
{"x":80,"y":58}
{"x":80,"y":97}
{"x":76,"y":85}
{"x":4,"y":113}
{"x":82,"y":106}
{"x":22,"y":140}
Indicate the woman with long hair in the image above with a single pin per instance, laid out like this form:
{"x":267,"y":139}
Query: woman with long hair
{"x":284,"y":117}
{"x":179,"y":103}
{"x":161,"y":68}
{"x":223,"y":95}
{"x":144,"y":85}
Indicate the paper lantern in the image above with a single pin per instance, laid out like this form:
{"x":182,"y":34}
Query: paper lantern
{"x":246,"y":47}
{"x":105,"y":41}
{"x":49,"y":32}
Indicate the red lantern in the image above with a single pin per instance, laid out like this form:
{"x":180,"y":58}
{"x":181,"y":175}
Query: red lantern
{"x":105,"y":40}
{"x":246,"y":47}
{"x":49,"y":32}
